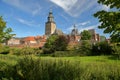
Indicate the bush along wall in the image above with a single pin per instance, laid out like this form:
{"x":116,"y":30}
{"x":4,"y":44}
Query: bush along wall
{"x":101,"y":48}
{"x":116,"y":51}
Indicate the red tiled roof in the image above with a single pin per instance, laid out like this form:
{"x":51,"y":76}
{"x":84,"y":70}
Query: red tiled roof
{"x":38,"y":37}
{"x":31,"y":38}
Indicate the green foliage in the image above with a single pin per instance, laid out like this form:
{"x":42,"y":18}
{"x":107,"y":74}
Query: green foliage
{"x":116,"y":51}
{"x":111,"y":3}
{"x":102,"y":38}
{"x":48,"y":50}
{"x":65,"y":54}
{"x":101,"y":48}
{"x":49,"y":45}
{"x":48,"y":69}
{"x":86,"y":35}
{"x":11,"y":73}
{"x":4,"y":49}
{"x":61,"y":43}
{"x":29,"y":51}
{"x":110,"y":21}
{"x":4,"y":31}
{"x":37,"y":51}
{"x":15,"y":51}
{"x":101,"y":72}
{"x":55,"y":43}
{"x":84,"y":48}
{"x":50,"y":41}
{"x":30,"y":68}
{"x":19,"y":51}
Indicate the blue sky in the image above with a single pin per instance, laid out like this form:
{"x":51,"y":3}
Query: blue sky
{"x":28,"y":17}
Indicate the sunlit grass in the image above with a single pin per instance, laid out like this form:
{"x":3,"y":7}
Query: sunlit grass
{"x":12,"y":59}
{"x":77,"y":68}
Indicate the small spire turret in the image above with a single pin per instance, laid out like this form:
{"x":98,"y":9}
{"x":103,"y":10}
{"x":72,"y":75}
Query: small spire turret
{"x":50,"y":16}
{"x":75,"y":30}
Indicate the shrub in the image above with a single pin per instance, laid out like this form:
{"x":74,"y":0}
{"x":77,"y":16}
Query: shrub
{"x":37,"y":51}
{"x":15,"y":51}
{"x":48,"y":50}
{"x":101,"y":48}
{"x":10,"y":72}
{"x":116,"y":51}
{"x":84,"y":48}
{"x":29,"y":51}
{"x":65,"y":54}
{"x":25,"y":51}
{"x":4,"y":49}
{"x":33,"y":69}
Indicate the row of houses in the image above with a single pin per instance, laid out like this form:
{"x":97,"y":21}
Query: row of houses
{"x":39,"y":41}
{"x":30,"y":41}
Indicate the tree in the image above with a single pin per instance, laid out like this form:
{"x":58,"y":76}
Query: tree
{"x":55,"y":43}
{"x":102,"y":38}
{"x":110,"y":20}
{"x":86,"y":35}
{"x":50,"y":41}
{"x":84,"y":48}
{"x":61,"y":43}
{"x":49,"y":46}
{"x":4,"y":31}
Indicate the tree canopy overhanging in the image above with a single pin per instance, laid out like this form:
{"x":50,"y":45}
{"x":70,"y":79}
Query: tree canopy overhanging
{"x":110,"y":20}
{"x":4,"y":31}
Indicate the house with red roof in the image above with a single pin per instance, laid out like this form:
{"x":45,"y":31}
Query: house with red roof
{"x":30,"y":41}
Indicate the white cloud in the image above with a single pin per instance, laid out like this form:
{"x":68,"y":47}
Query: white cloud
{"x":106,"y":8}
{"x":70,"y":28}
{"x":79,"y":25}
{"x":89,"y":27}
{"x":31,"y":7}
{"x":81,"y":28}
{"x":75,"y":7}
{"x":64,"y":17}
{"x":28,"y":23}
{"x":65,"y":4}
{"x":83,"y":23}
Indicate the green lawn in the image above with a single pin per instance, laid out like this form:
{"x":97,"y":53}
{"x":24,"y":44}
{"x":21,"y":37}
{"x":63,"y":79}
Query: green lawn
{"x":12,"y":59}
{"x":59,"y":68}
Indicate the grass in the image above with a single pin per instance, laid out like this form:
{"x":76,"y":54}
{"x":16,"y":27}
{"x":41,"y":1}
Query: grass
{"x":88,"y":59}
{"x":12,"y":59}
{"x":59,"y":68}
{"x":9,"y":59}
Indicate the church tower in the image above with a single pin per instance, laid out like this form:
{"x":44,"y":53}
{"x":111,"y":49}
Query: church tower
{"x":50,"y":25}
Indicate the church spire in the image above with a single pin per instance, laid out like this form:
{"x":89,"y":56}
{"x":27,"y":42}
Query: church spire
{"x":75,"y":30}
{"x":51,"y":10}
{"x":50,"y":16}
{"x":74,"y":26}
